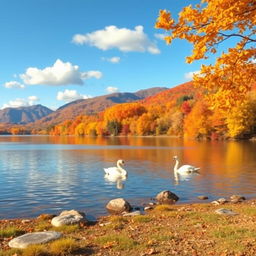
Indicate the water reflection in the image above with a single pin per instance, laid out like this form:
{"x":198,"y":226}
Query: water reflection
{"x":47,"y":174}
{"x":178,"y":177}
{"x":117,"y":180}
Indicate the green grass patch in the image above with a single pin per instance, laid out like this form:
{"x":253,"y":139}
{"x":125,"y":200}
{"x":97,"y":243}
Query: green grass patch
{"x":248,"y":210}
{"x":118,"y":219}
{"x":43,"y":225}
{"x":231,"y":238}
{"x":162,"y":236}
{"x":142,"y":219}
{"x":234,"y":233}
{"x":66,"y":228}
{"x":117,"y":242}
{"x":63,"y":247}
{"x":116,"y":222}
{"x":10,"y":231}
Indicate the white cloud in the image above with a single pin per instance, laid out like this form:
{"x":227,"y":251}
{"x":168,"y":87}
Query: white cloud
{"x":160,"y":36}
{"x":19,"y":102}
{"x":111,"y":89}
{"x":61,"y":73}
{"x":14,"y":84}
{"x":91,"y":74}
{"x":70,"y":95}
{"x":32,"y":100}
{"x":124,"y":39}
{"x":189,"y":75}
{"x":112,"y":60}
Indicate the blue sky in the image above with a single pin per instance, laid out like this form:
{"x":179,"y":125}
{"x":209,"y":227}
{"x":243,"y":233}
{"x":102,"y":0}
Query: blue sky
{"x":56,"y":51}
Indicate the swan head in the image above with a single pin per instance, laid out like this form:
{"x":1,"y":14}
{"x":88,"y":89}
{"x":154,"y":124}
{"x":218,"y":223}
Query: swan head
{"x":120,"y":162}
{"x":175,"y":158}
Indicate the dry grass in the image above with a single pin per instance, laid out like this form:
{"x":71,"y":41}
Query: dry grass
{"x":67,"y":228}
{"x":141,"y":219}
{"x":63,"y":247}
{"x":35,"y":250}
{"x":166,"y":230}
{"x":10,"y":252}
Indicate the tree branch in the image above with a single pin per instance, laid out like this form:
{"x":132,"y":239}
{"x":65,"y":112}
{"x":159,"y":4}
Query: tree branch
{"x":238,"y":35}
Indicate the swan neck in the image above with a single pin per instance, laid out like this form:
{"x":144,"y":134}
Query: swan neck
{"x":123,"y":171}
{"x":176,"y":165}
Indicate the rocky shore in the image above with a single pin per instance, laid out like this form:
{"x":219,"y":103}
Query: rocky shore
{"x":225,"y":226}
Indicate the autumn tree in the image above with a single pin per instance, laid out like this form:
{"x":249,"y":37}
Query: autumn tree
{"x":197,"y":123}
{"x":242,"y":119}
{"x":146,"y":124}
{"x":206,"y":26}
{"x":114,"y":127}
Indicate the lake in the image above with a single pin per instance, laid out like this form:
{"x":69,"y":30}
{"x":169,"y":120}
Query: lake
{"x":47,"y":174}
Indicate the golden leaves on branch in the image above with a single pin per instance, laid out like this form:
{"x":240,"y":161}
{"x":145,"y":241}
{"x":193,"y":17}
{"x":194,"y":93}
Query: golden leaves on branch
{"x":206,"y":26}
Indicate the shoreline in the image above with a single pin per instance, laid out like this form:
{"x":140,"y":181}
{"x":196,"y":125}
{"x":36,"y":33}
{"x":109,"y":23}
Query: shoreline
{"x":95,"y":217}
{"x":179,"y":229}
{"x":197,"y":202}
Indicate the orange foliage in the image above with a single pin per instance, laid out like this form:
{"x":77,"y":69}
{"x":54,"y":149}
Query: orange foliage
{"x":206,"y":26}
{"x":122,"y":111}
{"x":197,"y":124}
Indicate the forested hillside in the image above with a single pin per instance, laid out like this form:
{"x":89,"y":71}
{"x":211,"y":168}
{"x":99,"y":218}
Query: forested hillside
{"x":181,"y":111}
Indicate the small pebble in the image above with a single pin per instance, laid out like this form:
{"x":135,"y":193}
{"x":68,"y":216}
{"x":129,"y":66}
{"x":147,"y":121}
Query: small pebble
{"x":25,"y":221}
{"x":202,"y":197}
{"x":147,"y":208}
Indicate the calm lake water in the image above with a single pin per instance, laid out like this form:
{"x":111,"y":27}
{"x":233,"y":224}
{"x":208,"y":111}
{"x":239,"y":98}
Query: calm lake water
{"x":43,"y":174}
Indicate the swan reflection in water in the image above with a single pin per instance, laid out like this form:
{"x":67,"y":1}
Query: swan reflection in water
{"x":115,"y":179}
{"x":183,"y":177}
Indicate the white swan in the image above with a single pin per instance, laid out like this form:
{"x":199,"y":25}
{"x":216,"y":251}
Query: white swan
{"x":116,"y":171}
{"x":184,"y":169}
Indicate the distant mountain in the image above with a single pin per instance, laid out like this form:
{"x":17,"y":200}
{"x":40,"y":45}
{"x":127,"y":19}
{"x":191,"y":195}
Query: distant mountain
{"x":173,"y":94}
{"x":94,"y":105}
{"x":142,"y":94}
{"x":23,"y":115}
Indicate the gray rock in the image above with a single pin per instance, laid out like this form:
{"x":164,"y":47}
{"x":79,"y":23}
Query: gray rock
{"x":118,"y":205}
{"x":224,"y":211}
{"x":202,"y":197}
{"x":34,"y":238}
{"x":135,"y":213}
{"x":237,"y":199}
{"x":68,"y":218}
{"x":222,"y":200}
{"x":148,"y":208}
{"x":167,"y":197}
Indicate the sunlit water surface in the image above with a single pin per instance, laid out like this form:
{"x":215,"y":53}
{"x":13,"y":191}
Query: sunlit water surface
{"x":42,"y":174}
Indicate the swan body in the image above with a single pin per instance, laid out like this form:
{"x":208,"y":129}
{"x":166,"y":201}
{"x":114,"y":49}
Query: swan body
{"x":117,"y":171}
{"x":184,"y":169}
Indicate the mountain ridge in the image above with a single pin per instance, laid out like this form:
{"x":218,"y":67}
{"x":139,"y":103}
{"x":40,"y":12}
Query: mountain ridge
{"x":23,"y":115}
{"x":94,"y":105}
